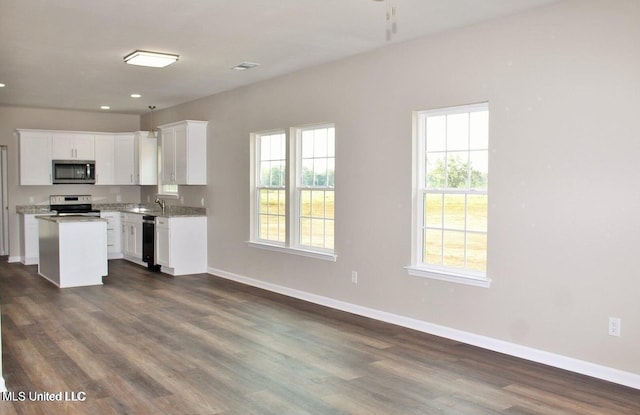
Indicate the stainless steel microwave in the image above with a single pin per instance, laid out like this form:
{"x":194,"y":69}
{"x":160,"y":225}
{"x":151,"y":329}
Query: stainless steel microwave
{"x":74,"y":171}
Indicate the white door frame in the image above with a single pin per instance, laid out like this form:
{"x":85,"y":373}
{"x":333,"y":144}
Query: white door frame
{"x":4,"y":202}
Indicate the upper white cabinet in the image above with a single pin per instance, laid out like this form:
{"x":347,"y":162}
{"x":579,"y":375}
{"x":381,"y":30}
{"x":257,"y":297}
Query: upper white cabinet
{"x":72,"y":146}
{"x":105,"y":159}
{"x":35,"y":157}
{"x":121,"y":158}
{"x":125,"y":157}
{"x":147,"y":172}
{"x":183,"y":152}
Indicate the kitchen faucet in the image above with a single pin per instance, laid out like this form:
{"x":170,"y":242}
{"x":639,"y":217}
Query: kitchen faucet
{"x":161,"y":203}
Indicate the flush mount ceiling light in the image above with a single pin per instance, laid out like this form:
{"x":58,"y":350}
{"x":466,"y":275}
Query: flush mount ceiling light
{"x":244,"y":66}
{"x":152,"y":59}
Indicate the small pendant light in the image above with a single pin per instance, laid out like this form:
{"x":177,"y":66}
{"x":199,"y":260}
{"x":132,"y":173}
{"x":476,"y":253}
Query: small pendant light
{"x":152,"y":130}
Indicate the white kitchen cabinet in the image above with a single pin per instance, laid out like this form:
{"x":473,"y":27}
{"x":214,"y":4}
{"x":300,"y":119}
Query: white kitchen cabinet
{"x":183,"y":152}
{"x":181,"y":244}
{"x":73,"y":251}
{"x":35,"y":157}
{"x":114,"y":235}
{"x":132,"y":237}
{"x":105,"y":159}
{"x":30,"y":238}
{"x":125,"y":155}
{"x":72,"y":146}
{"x":147,"y":148}
{"x":126,"y":159}
{"x":162,"y":242}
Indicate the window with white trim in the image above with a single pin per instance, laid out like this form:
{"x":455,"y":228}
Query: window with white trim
{"x":293,"y":191}
{"x":315,"y":187}
{"x":451,"y":194}
{"x":271,"y":200}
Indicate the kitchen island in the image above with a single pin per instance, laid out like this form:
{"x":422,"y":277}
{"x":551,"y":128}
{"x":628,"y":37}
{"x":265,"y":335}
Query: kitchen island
{"x":73,"y":250}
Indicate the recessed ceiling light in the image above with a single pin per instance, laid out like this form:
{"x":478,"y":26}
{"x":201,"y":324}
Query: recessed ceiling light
{"x":135,"y":95}
{"x":244,"y":66}
{"x":2,"y":85}
{"x":152,"y":59}
{"x":105,"y":107}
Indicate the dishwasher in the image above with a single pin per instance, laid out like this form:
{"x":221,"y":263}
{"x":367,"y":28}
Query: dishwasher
{"x":148,"y":242}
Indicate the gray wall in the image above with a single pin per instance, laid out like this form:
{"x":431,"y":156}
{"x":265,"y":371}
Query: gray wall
{"x":12,"y":118}
{"x":563,"y":88}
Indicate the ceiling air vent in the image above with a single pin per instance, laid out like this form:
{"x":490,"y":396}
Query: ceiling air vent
{"x":245,"y":65}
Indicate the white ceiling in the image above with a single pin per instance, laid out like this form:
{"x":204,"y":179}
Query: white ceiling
{"x":68,"y":53}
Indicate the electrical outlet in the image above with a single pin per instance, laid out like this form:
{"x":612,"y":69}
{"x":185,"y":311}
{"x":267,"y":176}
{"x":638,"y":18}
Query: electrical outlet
{"x":118,"y":198}
{"x":354,"y":277}
{"x":615,"y":326}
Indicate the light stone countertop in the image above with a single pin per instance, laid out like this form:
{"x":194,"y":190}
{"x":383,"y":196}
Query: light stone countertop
{"x":72,"y":219}
{"x":32,"y":209}
{"x":153,"y":209}
{"x":142,"y":209}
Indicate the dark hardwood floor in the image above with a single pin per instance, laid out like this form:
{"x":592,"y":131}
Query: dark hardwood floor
{"x":150,"y":344}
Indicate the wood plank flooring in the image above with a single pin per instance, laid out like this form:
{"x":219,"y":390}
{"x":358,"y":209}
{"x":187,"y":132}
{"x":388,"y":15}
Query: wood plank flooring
{"x":146,"y":343}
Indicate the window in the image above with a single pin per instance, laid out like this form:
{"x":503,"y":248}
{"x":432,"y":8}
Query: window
{"x":168,"y":190}
{"x":451,"y":199}
{"x":270,"y":190}
{"x":293,"y":191}
{"x":315,"y":187}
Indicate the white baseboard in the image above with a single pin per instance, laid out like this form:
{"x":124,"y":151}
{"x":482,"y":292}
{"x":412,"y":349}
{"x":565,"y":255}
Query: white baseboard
{"x":562,"y":362}
{"x":13,"y":259}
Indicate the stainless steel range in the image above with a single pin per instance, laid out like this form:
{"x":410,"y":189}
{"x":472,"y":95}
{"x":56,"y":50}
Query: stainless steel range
{"x":72,"y":205}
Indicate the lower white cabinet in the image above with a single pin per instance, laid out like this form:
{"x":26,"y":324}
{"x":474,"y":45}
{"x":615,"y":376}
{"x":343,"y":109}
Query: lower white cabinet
{"x":114,"y":234}
{"x":132,"y":237}
{"x":30,"y":237}
{"x":181,"y":244}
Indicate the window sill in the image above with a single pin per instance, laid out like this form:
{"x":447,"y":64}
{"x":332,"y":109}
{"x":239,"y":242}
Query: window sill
{"x":442,"y":275}
{"x":294,"y":251}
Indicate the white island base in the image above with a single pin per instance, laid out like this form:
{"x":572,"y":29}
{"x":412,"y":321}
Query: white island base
{"x":73,"y":250}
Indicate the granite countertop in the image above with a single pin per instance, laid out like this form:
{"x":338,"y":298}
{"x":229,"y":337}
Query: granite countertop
{"x":152,"y":209}
{"x":139,"y":208}
{"x":33,"y":209}
{"x":74,"y":219}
